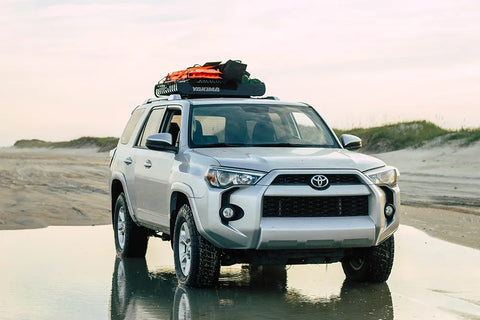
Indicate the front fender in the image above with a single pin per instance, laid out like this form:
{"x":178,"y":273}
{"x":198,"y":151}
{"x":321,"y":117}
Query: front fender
{"x":121,"y":177}
{"x":188,"y":191}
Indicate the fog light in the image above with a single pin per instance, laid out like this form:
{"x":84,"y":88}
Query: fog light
{"x":389,"y":211}
{"x":227,"y":212}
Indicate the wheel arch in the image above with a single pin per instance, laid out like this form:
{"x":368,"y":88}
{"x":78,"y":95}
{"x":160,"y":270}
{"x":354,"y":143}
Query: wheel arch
{"x":117,"y":186}
{"x":177,"y":200}
{"x":180,"y":195}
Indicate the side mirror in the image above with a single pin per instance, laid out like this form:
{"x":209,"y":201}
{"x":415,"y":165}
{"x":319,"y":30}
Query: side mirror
{"x":350,"y":142}
{"x":160,"y":141}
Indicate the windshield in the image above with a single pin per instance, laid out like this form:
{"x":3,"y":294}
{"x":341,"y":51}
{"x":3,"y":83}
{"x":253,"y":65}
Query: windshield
{"x":258,"y":125}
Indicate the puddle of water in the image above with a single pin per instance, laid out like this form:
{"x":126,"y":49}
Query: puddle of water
{"x":72,"y":273}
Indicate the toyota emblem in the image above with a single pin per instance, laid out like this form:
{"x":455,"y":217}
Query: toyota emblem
{"x":319,"y":182}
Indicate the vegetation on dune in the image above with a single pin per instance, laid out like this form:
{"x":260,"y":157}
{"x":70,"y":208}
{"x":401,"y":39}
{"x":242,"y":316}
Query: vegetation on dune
{"x":103,"y":144}
{"x":468,"y":135}
{"x":406,"y":135}
{"x":376,"y":139}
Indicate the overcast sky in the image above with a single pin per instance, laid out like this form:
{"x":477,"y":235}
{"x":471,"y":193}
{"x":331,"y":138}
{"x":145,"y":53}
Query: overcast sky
{"x":75,"y":68}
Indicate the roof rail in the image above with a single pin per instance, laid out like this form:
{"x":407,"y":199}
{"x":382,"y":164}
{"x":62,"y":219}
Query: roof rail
{"x":268,"y":98}
{"x":175,"y":96}
{"x":150,"y":100}
{"x":163,"y":98}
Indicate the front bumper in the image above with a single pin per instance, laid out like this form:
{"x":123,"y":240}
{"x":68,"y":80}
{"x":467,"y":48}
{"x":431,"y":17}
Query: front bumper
{"x":253,"y":231}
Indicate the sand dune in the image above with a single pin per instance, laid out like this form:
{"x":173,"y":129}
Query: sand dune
{"x":439,"y":175}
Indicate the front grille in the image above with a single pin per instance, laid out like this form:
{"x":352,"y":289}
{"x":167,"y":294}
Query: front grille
{"x":315,"y":206}
{"x":305,"y":179}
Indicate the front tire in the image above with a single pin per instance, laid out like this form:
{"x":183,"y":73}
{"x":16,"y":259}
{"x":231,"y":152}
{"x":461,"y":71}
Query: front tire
{"x":372,"y":264}
{"x":197,"y":261}
{"x":130,"y":239}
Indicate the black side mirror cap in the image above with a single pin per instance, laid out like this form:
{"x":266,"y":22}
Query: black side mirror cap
{"x":160,"y":141}
{"x":351,"y":142}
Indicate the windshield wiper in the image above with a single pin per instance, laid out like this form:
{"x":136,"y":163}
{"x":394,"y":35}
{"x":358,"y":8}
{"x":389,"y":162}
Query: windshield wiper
{"x":283,"y":144}
{"x":218,"y":145}
{"x":296,"y":145}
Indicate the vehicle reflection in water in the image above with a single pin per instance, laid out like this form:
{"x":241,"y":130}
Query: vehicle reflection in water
{"x":249,"y":293}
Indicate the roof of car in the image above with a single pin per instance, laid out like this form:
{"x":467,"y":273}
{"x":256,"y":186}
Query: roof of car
{"x":221,"y":100}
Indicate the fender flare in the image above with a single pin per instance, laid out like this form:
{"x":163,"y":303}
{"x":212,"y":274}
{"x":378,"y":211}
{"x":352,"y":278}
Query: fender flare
{"x":188,"y":192}
{"x":117,"y":175}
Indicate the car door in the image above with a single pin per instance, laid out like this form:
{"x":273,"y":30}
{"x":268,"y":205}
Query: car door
{"x":153,"y":168}
{"x":125,"y":152}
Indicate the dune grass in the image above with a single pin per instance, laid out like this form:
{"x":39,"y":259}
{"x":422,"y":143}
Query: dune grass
{"x":407,"y":135}
{"x":468,"y":135}
{"x":103,"y":144}
{"x":375,"y":139}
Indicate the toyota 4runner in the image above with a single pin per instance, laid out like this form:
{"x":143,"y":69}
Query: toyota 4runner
{"x":250,"y":180}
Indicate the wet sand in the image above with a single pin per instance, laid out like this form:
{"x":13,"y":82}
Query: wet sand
{"x":59,"y":187}
{"x":73,"y":273}
{"x":447,"y":224}
{"x":53,"y":187}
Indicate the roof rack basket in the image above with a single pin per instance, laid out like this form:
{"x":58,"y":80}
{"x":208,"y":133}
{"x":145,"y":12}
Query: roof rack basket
{"x":222,"y":80}
{"x":209,"y":88}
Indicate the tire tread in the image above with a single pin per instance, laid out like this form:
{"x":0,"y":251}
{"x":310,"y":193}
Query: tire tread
{"x":381,"y":261}
{"x":205,"y":271}
{"x":136,"y":237}
{"x":377,"y":266}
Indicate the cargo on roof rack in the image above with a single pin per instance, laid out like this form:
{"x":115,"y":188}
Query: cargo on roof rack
{"x":213,"y":79}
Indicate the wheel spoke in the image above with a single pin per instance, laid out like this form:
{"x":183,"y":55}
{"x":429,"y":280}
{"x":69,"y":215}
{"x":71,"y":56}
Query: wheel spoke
{"x":187,"y":265}
{"x":183,"y":238}
{"x":183,"y":256}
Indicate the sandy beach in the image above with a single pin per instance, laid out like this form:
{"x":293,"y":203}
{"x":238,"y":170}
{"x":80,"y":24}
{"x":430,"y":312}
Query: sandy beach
{"x":440,"y":190}
{"x":46,"y":187}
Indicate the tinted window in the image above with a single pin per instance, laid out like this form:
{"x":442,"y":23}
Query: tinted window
{"x":131,"y":124}
{"x":172,"y":124}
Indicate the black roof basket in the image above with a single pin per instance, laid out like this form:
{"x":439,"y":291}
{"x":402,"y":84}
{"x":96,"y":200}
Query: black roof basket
{"x":193,"y":88}
{"x":235,"y":82}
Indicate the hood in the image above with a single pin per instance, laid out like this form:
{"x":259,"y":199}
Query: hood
{"x":268,"y":159}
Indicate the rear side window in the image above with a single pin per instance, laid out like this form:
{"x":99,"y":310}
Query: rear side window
{"x":131,"y":124}
{"x":152,"y":126}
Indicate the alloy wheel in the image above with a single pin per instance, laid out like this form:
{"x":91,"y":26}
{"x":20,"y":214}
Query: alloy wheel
{"x":121,"y":227}
{"x":185,"y":249}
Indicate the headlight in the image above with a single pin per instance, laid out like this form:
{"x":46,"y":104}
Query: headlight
{"x":224,"y":178}
{"x":386,"y":176}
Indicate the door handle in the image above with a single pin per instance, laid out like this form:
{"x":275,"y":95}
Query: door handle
{"x":128,"y":161}
{"x":148,"y":164}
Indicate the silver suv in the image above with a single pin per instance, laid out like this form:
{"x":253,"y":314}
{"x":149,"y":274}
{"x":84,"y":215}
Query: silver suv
{"x":250,"y":180}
